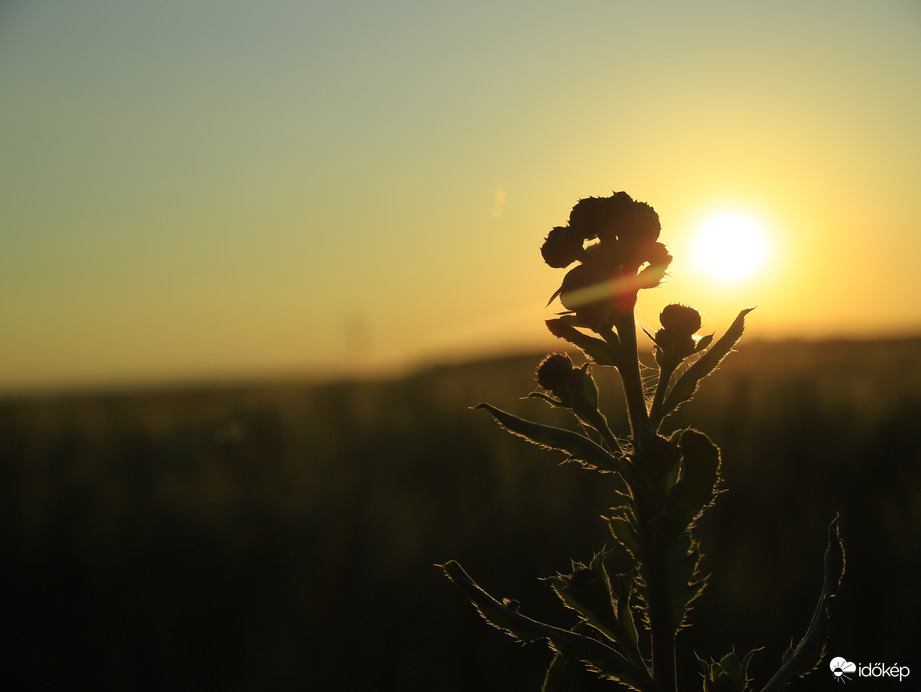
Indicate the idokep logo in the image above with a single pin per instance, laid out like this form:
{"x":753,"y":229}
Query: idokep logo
{"x":844,"y":670}
{"x":841,"y":667}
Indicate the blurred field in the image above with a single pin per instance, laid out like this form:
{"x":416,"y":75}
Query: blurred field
{"x":282,"y":537}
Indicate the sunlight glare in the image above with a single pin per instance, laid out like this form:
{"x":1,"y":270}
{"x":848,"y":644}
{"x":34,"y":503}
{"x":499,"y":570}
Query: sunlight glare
{"x":730,"y":246}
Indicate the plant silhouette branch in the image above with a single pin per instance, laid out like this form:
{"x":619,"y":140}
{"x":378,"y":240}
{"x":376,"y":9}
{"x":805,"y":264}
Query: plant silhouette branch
{"x":668,"y":482}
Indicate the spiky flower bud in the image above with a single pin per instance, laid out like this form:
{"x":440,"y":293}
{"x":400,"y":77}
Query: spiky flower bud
{"x":562,"y":247}
{"x":676,"y":338}
{"x":680,"y":319}
{"x":572,"y":386}
{"x":554,"y":372}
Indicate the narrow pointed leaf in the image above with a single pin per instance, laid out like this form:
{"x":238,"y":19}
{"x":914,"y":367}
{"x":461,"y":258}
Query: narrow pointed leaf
{"x":808,"y":653}
{"x":561,"y":674}
{"x":575,"y":445}
{"x":624,"y":596}
{"x":683,"y":582}
{"x":703,"y":343}
{"x":543,"y":397}
{"x":623,"y":530}
{"x":565,"y":673}
{"x":601,"y":352}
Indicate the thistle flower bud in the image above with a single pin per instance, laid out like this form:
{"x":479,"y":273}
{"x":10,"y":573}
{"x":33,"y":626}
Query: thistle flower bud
{"x":562,"y":247}
{"x":680,"y":319}
{"x":574,"y":387}
{"x":676,"y":338}
{"x":554,"y":371}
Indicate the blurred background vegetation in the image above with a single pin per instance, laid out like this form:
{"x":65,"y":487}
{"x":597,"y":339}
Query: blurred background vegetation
{"x":283,"y":536}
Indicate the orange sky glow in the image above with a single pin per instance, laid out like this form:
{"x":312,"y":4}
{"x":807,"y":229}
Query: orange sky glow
{"x":202,"y":190}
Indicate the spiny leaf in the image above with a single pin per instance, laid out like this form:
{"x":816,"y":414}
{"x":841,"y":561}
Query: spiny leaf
{"x":807,"y":654}
{"x":625,"y":533}
{"x":562,"y":672}
{"x":623,"y":585}
{"x":549,"y":399}
{"x":601,"y":352}
{"x":703,"y":343}
{"x":575,"y":445}
{"x":566,"y":673}
{"x":682,"y":579}
{"x":687,"y":384}
{"x":595,"y":655}
{"x":587,"y":591}
{"x":695,"y":490}
{"x":729,"y":674}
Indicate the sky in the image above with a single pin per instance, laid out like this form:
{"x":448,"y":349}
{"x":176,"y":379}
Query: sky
{"x":210,"y":189}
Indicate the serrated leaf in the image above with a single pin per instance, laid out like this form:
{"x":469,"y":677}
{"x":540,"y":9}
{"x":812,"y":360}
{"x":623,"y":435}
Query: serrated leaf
{"x":561,"y":674}
{"x":601,"y":352}
{"x":703,"y":343}
{"x":682,"y":581}
{"x":587,"y":591}
{"x":575,"y":445}
{"x":595,"y":655}
{"x":807,"y":654}
{"x":625,"y":533}
{"x":564,"y":674}
{"x":548,"y":399}
{"x":729,"y":674}
{"x":731,"y":665}
{"x":695,"y":489}
{"x":623,"y":585}
{"x":687,"y":384}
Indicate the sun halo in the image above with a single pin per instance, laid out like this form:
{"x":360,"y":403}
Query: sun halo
{"x":729,"y":246}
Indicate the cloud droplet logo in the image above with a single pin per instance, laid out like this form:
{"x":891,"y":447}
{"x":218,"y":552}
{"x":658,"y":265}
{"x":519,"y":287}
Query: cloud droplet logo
{"x":840,"y":667}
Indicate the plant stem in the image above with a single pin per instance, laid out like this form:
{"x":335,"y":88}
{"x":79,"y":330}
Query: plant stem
{"x":630,"y":374}
{"x":664,"y":670}
{"x":600,"y":423}
{"x":663,"y":637}
{"x":665,"y":376}
{"x":653,"y":570}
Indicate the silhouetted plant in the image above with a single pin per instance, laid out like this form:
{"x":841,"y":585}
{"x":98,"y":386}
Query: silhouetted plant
{"x":628,"y":622}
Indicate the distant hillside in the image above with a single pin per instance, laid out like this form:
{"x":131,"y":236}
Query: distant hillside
{"x":283,"y":535}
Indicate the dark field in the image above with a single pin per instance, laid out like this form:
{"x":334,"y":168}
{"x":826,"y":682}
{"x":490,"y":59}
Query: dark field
{"x":282,"y":537}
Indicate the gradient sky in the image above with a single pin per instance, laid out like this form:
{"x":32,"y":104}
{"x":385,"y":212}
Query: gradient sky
{"x":210,"y":188}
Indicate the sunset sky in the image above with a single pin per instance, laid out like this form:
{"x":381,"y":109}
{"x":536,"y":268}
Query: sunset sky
{"x":199,"y":189}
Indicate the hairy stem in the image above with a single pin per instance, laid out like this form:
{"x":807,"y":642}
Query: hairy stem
{"x":662,"y":635}
{"x":597,"y":420}
{"x":664,"y":670}
{"x":630,"y":374}
{"x":665,"y":376}
{"x":653,"y":569}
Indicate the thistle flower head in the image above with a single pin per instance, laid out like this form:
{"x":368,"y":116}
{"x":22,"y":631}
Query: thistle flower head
{"x":615,"y":240}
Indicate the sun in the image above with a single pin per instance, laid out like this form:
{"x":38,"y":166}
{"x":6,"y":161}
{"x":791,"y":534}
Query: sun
{"x":729,"y":246}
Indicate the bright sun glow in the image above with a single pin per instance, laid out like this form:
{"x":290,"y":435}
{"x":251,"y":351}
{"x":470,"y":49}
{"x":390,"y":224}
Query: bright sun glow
{"x":730,"y":246}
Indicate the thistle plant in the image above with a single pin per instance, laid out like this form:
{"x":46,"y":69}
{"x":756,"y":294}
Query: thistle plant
{"x":627,"y":622}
